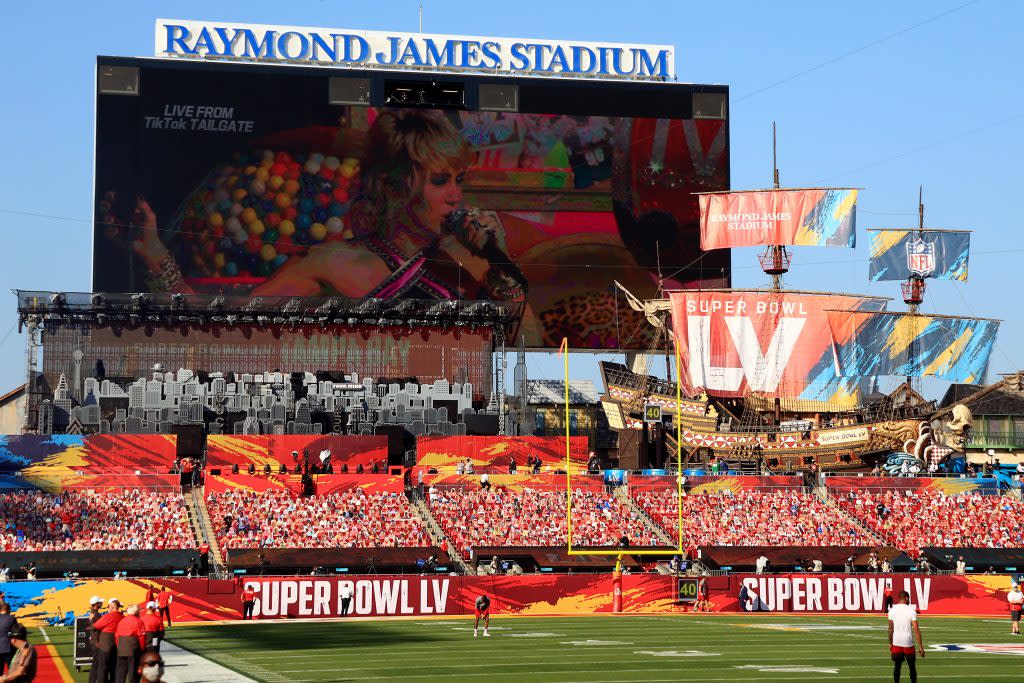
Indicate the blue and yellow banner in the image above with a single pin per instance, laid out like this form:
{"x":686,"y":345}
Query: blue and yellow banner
{"x":937,"y":254}
{"x":953,"y":349}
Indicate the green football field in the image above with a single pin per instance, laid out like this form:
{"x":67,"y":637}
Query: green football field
{"x":611,"y":648}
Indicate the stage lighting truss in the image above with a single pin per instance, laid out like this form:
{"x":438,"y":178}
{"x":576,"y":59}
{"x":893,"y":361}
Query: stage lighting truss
{"x":201,"y":310}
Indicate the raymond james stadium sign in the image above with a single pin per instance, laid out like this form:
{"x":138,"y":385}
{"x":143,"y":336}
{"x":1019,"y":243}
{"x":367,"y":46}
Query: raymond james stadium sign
{"x":362,"y":49}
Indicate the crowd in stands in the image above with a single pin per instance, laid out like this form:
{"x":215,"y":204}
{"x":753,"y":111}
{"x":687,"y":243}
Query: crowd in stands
{"x":350,"y":519}
{"x":912,"y":520}
{"x":130,"y":519}
{"x":495,"y":516}
{"x":784,"y":517}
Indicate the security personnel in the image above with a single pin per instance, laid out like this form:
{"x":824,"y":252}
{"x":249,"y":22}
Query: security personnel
{"x":153,"y":625}
{"x":104,"y":659}
{"x":95,"y":612}
{"x":163,"y":602}
{"x":248,"y":602}
{"x":130,"y":637}
{"x":204,"y":557}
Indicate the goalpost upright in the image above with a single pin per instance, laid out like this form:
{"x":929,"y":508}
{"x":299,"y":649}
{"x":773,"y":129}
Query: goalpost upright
{"x":564,"y":350}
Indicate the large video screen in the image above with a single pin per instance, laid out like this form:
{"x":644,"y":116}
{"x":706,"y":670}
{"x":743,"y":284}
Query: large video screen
{"x":214,"y":180}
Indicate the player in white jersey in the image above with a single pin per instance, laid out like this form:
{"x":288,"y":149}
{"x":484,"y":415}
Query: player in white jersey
{"x":903,"y":630}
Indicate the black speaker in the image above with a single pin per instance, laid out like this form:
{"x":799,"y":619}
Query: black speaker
{"x":348,"y":91}
{"x":399,"y":441}
{"x":709,"y":105}
{"x":494,"y":97}
{"x":190,"y":440}
{"x":118,"y":80}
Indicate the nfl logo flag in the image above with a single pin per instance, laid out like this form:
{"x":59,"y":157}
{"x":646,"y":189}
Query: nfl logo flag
{"x":920,"y":257}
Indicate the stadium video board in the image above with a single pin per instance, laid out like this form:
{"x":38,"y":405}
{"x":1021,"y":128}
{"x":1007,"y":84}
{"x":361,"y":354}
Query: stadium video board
{"x":217,"y":177}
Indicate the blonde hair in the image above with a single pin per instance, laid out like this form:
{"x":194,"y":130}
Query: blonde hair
{"x":402,"y":145}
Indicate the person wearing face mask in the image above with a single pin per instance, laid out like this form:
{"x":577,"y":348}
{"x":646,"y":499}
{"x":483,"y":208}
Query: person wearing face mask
{"x":151,"y":666}
{"x":23,"y":666}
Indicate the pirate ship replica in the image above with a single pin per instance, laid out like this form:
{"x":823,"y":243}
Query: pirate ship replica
{"x":776,"y":379}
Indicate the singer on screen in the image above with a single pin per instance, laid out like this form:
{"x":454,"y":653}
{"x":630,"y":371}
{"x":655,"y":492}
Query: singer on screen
{"x":410,"y":234}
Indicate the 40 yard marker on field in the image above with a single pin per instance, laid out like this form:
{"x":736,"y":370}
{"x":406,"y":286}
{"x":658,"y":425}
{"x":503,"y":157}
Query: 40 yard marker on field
{"x":563,"y":350}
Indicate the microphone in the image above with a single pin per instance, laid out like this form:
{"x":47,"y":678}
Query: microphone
{"x":501,"y":265}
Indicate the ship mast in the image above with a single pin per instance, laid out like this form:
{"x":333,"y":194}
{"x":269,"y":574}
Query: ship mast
{"x":913,"y":288}
{"x":775,"y":260}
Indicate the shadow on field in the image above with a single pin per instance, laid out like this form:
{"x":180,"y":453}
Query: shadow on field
{"x":293,"y":636}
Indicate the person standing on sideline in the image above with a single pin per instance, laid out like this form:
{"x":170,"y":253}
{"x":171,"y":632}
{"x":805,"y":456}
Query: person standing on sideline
{"x":887,"y":596}
{"x":1016,"y":599}
{"x":95,"y":612}
{"x":130,"y":637}
{"x":961,"y":566}
{"x":6,"y":650}
{"x":104,"y":659}
{"x":153,"y":625}
{"x":5,"y":572}
{"x":483,"y":609}
{"x":346,"y":598}
{"x":151,"y":666}
{"x":903,"y":630}
{"x":23,"y":666}
{"x":163,"y":602}
{"x":248,"y":602}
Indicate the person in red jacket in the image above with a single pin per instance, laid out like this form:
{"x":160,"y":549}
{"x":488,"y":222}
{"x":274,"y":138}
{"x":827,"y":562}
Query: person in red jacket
{"x":153,"y":625}
{"x":248,"y":602}
{"x":130,"y":637}
{"x":163,"y":601}
{"x":104,"y":657}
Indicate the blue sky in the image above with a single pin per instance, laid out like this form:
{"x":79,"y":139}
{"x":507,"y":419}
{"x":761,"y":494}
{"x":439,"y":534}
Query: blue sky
{"x":881,"y":95}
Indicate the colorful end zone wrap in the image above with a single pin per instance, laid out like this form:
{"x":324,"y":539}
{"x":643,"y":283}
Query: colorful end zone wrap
{"x":875,"y":343}
{"x":715,"y":484}
{"x":515,"y":482}
{"x":493,"y":453}
{"x":225,"y":451}
{"x":947,"y":485}
{"x":199,"y":600}
{"x":94,"y":454}
{"x":843,"y":593}
{"x":770,"y":343}
{"x":323,"y":483}
{"x":901,"y":254}
{"x":808,"y":218}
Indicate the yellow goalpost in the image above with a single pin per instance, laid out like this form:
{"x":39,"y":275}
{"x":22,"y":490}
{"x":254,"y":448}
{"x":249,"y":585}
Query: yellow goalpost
{"x":563,"y":349}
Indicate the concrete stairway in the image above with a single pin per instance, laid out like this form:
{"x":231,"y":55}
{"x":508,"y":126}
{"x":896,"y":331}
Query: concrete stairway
{"x":622,"y":495}
{"x":825,"y":497}
{"x":437,"y":534}
{"x":202,"y":527}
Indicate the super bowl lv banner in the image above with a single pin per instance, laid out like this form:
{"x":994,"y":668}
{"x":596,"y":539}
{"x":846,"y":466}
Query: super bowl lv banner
{"x":809,"y":218}
{"x":771,"y":343}
{"x":953,"y":349}
{"x":937,"y":254}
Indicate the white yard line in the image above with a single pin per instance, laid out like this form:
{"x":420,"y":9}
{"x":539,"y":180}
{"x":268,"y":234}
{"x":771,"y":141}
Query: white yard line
{"x":187,"y":667}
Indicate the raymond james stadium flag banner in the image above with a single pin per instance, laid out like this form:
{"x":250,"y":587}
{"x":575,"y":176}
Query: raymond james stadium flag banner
{"x":368,"y":49}
{"x":806,"y":218}
{"x":769,"y":343}
{"x":901,"y":254}
{"x":952,"y":349}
